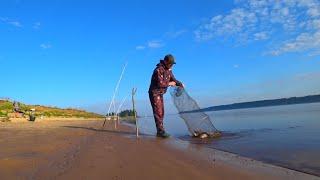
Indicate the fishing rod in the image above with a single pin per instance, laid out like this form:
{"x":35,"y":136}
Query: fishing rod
{"x":120,"y":106}
{"x":115,"y":91}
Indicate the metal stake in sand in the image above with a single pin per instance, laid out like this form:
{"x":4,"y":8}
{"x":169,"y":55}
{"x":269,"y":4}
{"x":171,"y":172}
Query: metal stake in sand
{"x":134,"y":91}
{"x":115,"y":91}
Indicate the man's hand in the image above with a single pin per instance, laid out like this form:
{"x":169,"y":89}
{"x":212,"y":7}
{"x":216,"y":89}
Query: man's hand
{"x":172,"y":83}
{"x":180,"y":84}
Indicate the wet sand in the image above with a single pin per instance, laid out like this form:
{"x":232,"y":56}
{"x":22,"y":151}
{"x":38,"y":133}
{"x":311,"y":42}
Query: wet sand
{"x":82,"y":150}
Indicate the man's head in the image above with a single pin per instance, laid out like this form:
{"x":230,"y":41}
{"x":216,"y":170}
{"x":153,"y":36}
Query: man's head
{"x":169,"y":61}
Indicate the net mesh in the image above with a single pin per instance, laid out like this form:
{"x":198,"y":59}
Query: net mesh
{"x":197,"y":121}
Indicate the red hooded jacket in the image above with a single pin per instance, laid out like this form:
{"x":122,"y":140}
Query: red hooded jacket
{"x":160,"y":79}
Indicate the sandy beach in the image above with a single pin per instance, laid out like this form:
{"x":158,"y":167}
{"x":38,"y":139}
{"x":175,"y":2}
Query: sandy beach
{"x":82,"y":150}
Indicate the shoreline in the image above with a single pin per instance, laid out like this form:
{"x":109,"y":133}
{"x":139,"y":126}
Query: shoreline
{"x":238,"y":161}
{"x":234,"y":160}
{"x":81,"y":149}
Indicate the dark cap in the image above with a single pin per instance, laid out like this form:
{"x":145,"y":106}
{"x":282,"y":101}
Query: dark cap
{"x":169,"y":59}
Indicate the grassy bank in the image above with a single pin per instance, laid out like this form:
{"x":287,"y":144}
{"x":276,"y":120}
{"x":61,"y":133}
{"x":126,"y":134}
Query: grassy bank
{"x":6,"y":108}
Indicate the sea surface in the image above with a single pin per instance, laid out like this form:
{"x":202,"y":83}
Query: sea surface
{"x":287,"y":136}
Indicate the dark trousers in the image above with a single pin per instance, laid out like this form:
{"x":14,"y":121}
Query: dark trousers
{"x":156,"y":101}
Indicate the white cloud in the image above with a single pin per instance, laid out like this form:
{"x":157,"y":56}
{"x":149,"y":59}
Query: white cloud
{"x":303,"y":42}
{"x":140,"y":47}
{"x":15,"y":23}
{"x":4,"y":19}
{"x":261,"y":36}
{"x":314,"y":53}
{"x":36,"y":25}
{"x":315,"y":12}
{"x":10,"y":22}
{"x":232,"y":24}
{"x":292,"y":25}
{"x":46,"y":46}
{"x":236,"y":66}
{"x":155,"y":44}
{"x":175,"y":34}
{"x":151,"y":45}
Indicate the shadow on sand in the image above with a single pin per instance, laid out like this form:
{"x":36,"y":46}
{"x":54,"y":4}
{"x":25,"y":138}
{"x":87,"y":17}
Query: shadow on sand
{"x":127,"y":133}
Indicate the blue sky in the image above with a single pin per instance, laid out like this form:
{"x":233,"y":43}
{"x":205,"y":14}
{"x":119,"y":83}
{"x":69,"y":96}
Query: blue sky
{"x":68,"y":54}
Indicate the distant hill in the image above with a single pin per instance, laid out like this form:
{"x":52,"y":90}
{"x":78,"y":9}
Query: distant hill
{"x":6,"y":107}
{"x":264,"y":103}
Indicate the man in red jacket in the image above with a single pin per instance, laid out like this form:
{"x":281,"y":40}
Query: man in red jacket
{"x":162,"y":78}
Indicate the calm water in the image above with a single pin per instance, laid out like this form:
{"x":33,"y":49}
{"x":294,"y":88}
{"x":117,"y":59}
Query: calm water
{"x":287,"y":136}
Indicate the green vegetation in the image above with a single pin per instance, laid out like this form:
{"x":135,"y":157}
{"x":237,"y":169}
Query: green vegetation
{"x":127,"y":116}
{"x":126,"y":113}
{"x":3,"y":114}
{"x":111,"y":114}
{"x":7,"y":107}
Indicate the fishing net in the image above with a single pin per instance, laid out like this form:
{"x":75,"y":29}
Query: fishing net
{"x":198,"y":122}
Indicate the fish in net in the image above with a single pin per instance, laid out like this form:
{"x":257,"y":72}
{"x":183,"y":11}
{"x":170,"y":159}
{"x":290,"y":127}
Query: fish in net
{"x":199,"y":123}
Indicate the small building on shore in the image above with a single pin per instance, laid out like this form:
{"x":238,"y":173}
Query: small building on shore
{"x":112,"y":118}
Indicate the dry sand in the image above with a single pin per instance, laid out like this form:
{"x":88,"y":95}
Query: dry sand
{"x":82,"y":150}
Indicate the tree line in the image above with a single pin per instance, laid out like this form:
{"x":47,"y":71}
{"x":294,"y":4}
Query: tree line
{"x":124,"y":113}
